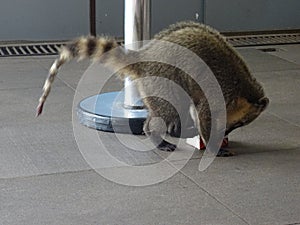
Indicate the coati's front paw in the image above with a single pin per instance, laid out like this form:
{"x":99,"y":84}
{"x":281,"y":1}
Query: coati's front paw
{"x":166,"y":146}
{"x":225,"y":153}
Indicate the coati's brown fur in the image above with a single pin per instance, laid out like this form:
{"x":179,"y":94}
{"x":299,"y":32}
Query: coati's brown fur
{"x":244,"y":96}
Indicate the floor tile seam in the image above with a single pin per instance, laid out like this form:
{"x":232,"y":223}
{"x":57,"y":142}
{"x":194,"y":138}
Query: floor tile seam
{"x":283,"y":119}
{"x":274,"y":70}
{"x":67,"y":84}
{"x":35,"y":122}
{"x":261,"y":73}
{"x":82,"y":171}
{"x":143,"y":164}
{"x":286,"y":59}
{"x":282,"y":58}
{"x":215,"y":198}
{"x":46,"y":174}
{"x":296,"y":148}
{"x":28,"y":88}
{"x":275,"y":56}
{"x":209,"y":194}
{"x":58,"y":77}
{"x":46,"y":68}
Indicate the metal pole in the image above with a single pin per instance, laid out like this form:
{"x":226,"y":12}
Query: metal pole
{"x":136,"y":28}
{"x":114,"y":111}
{"x":93,"y":17}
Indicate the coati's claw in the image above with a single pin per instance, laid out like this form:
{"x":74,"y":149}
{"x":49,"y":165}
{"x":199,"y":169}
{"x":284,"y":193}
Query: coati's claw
{"x":166,"y":146}
{"x":225,"y":153}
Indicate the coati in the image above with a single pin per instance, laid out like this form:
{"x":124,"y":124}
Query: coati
{"x":244,"y":96}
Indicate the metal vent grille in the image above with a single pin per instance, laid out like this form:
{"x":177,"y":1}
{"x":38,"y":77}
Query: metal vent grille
{"x":29,"y":50}
{"x":237,"y":41}
{"x":269,"y":39}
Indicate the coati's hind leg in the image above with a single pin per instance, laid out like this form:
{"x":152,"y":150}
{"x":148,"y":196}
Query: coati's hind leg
{"x":155,"y":128}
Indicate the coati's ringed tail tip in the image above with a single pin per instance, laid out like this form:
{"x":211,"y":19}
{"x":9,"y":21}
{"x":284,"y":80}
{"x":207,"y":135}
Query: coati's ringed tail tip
{"x":39,"y":109}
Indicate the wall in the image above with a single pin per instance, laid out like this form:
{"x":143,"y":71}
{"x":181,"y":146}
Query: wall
{"x":110,"y":18}
{"x":254,"y":15}
{"x":65,"y":19}
{"x":43,"y":19}
{"x":166,"y":12}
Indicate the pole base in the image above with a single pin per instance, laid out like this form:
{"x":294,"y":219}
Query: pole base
{"x":106,"y":112}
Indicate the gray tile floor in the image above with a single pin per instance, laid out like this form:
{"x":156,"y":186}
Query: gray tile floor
{"x":44,"y":179}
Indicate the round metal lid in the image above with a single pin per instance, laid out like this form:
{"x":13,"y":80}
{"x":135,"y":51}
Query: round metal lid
{"x":106,"y":112}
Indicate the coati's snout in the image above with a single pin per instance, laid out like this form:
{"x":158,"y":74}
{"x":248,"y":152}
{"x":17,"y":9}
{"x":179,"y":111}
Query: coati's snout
{"x":244,"y":113}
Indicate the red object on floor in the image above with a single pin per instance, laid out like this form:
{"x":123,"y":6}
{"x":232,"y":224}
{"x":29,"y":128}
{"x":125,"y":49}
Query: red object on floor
{"x":224,"y":143}
{"x":202,"y":145}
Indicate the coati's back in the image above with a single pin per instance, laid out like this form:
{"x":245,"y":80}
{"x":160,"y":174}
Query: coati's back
{"x":227,"y":65}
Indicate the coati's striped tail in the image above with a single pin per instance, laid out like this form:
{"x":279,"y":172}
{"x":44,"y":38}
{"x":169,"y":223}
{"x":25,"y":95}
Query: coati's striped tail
{"x":85,"y":47}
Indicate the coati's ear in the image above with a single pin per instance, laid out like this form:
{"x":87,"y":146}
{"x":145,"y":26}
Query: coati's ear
{"x":263,"y":103}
